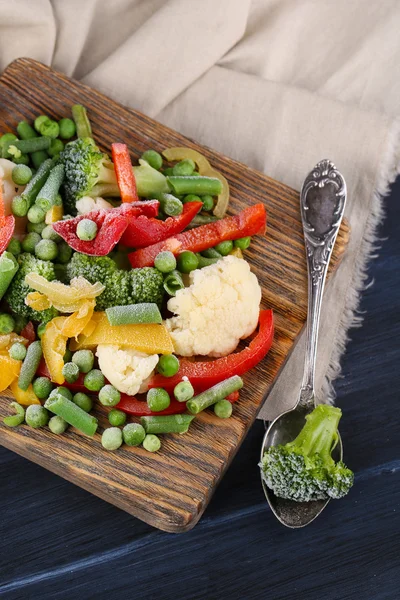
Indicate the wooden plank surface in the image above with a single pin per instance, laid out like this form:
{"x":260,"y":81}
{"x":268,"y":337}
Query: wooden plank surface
{"x":171,"y":489}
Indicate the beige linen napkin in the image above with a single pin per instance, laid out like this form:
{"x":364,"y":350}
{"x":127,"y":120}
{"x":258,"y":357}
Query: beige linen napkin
{"x":277,"y":84}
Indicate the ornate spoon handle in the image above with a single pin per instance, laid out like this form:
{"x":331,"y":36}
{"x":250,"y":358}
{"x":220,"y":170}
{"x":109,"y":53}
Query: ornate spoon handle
{"x":322,"y":202}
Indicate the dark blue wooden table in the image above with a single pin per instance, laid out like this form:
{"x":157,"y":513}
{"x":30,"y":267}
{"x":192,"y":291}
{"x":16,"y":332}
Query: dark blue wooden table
{"x":59,"y":542}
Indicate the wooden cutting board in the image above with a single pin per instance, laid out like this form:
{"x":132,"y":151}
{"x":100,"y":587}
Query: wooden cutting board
{"x":170,"y":489}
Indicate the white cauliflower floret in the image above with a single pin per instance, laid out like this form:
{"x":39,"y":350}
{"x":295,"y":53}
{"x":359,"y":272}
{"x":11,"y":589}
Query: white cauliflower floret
{"x":10,"y":189}
{"x":220,"y":307}
{"x":128,"y":370}
{"x":86,"y":204}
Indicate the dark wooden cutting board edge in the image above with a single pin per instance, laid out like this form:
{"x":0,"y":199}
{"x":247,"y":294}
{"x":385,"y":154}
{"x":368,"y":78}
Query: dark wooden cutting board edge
{"x":170,"y":489}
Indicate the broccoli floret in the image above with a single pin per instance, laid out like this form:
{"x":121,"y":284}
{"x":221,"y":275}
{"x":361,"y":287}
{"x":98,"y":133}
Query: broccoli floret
{"x":85,"y":167}
{"x":18,"y":289}
{"x":304,"y":469}
{"x":121,"y":287}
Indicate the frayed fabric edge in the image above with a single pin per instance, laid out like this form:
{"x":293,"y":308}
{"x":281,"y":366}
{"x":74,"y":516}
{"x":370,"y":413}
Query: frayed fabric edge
{"x":388,"y":171}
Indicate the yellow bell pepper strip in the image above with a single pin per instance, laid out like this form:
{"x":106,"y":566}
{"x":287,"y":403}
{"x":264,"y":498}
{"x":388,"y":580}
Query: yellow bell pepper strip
{"x":54,"y":345}
{"x":149,"y":338}
{"x":79,"y":320}
{"x":9,"y":370}
{"x":37,"y":301}
{"x":89,"y":328}
{"x":65,"y":298}
{"x":54,"y":214}
{"x":26,"y":398}
{"x":205,"y":169}
{"x":7,"y":340}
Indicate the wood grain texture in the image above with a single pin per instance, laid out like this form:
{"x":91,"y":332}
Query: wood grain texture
{"x":171,"y":489}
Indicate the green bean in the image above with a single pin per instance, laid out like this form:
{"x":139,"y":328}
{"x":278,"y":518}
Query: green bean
{"x":195,"y":185}
{"x":18,"y":418}
{"x":111,"y":438}
{"x":30,"y":365}
{"x":146,"y":312}
{"x":151,"y":443}
{"x":218,"y":392}
{"x":8,"y":267}
{"x":56,"y":147}
{"x":173,"y":282}
{"x":62,"y":391}
{"x":57,"y":425}
{"x":23,"y":159}
{"x":47,"y":196}
{"x":211,"y":253}
{"x":36,"y":183}
{"x":72,"y":414}
{"x":6,"y":139}
{"x":170,"y":205}
{"x":201,"y":220}
{"x":166,"y":423}
{"x":25,"y":131}
{"x":242,"y":243}
{"x":31,"y":145}
{"x":206,"y":262}
{"x":79,"y":114}
{"x":38,"y":158}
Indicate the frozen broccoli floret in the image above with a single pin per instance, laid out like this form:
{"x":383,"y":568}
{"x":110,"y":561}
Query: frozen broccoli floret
{"x":147,"y":285}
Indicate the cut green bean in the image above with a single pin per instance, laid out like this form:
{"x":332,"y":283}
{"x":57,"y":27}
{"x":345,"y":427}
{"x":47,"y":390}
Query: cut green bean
{"x":201,"y":219}
{"x":195,"y":185}
{"x":6,"y":139}
{"x":218,"y":392}
{"x":71,"y":413}
{"x":166,"y":423}
{"x":206,"y":262}
{"x":170,"y":205}
{"x":29,"y":366}
{"x":8,"y":267}
{"x":25,"y":131}
{"x":38,"y":158}
{"x":146,"y":312}
{"x":18,"y":418}
{"x":47,"y":196}
{"x":36,"y":183}
{"x":31,"y":145}
{"x":211,"y":253}
{"x":173,"y":282}
{"x":79,"y":114}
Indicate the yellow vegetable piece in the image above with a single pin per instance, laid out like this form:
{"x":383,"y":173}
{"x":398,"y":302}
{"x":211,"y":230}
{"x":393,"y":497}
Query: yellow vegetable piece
{"x":24,"y":397}
{"x":89,"y":328}
{"x":78,"y":321}
{"x":37,"y":301}
{"x":54,"y":345}
{"x":9,"y":370}
{"x":205,"y":169}
{"x":236,"y":252}
{"x":65,"y":298}
{"x":7,"y":340}
{"x":54,"y":214}
{"x":148,"y":338}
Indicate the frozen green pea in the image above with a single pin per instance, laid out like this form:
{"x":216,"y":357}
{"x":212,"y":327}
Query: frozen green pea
{"x":35,"y":227}
{"x":83,"y":401}
{"x":224,"y":247}
{"x":64,"y":253}
{"x":223,"y":409}
{"x":151,"y":443}
{"x":48,"y":233}
{"x":19,"y":206}
{"x":165,"y":262}
{"x":42,"y":387}
{"x":17,"y":351}
{"x":84,"y":359}
{"x":46,"y":250}
{"x":57,"y":425}
{"x":168,"y":365}
{"x":116,"y":417}
{"x":30,"y":241}
{"x":36,"y":214}
{"x":94,"y":380}
{"x":111,"y":438}
{"x":133,"y":434}
{"x":14,"y":247}
{"x":86,"y":230}
{"x":158,"y":399}
{"x":109,"y":395}
{"x":67,"y":128}
{"x":183,"y":391}
{"x":21,"y":174}
{"x":41,"y":329}
{"x":71,"y":372}
{"x":36,"y":416}
{"x":153,"y":158}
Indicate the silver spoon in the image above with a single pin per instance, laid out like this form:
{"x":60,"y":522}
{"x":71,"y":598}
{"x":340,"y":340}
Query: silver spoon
{"x":322,"y":202}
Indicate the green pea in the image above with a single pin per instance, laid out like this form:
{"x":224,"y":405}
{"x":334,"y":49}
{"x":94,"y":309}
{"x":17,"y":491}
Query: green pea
{"x":21,"y":174}
{"x":7,"y":323}
{"x":83,"y":401}
{"x":39,"y":121}
{"x":36,"y":416}
{"x":158,"y":399}
{"x":242,"y":243}
{"x":42,"y":387}
{"x":208,"y":203}
{"x":17,"y":351}
{"x":223,"y":409}
{"x":47,"y":127}
{"x":168,"y":171}
{"x":35,"y":227}
{"x":109,"y":395}
{"x":14,"y":246}
{"x":153,"y":158}
{"x":46,"y":250}
{"x":19,"y":206}
{"x":64,"y":253}
{"x":56,"y":147}
{"x":111,"y":438}
{"x":48,"y":233}
{"x":165,"y":262}
{"x":133,"y":434}
{"x":86,"y":230}
{"x":116,"y":417}
{"x":183,"y":391}
{"x":191,"y":198}
{"x":84,"y":359}
{"x":57,"y":425}
{"x":184,"y":167}
{"x":67,"y":128}
{"x":36,"y":214}
{"x":224,"y":247}
{"x":187,"y":262}
{"x":41,"y":329}
{"x":168,"y":365}
{"x":151,"y":443}
{"x":71,"y":372}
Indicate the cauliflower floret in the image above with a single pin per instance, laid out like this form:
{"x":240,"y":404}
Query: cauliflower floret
{"x":86,"y":204}
{"x":127,"y":369}
{"x":220,"y":307}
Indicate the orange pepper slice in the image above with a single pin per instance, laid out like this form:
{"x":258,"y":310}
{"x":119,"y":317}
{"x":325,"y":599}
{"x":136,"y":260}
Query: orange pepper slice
{"x":79,"y":320}
{"x":54,"y":345}
{"x":9,"y":370}
{"x":26,"y":398}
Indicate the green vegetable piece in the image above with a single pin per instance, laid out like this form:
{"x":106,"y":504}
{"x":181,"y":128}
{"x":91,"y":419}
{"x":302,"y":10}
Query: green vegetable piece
{"x":109,"y":395}
{"x":168,"y":365}
{"x":183,"y":391}
{"x":72,"y":414}
{"x":48,"y":233}
{"x":151,"y":443}
{"x":201,"y":219}
{"x":242,"y":243}
{"x":184,"y":167}
{"x":111,"y":438}
{"x":208,"y":203}
{"x":36,"y":416}
{"x":170,"y":205}
{"x":36,"y":183}
{"x":49,"y":128}
{"x":7,"y":323}
{"x":39,"y":121}
{"x":153,"y":158}
{"x":84,"y":359}
{"x":41,"y":329}
{"x":47,"y":196}
{"x":224,"y":247}
{"x":62,"y":391}
{"x":191,"y":198}
{"x":86,"y":230}
{"x":19,"y":206}
{"x":21,"y":174}
{"x":116,"y":417}
{"x":223,"y":409}
{"x":14,"y":247}
{"x":71,"y":372}
{"x":165,"y":262}
{"x":22,"y":160}
{"x":83,"y":128}
{"x":11,"y":151}
{"x":211,"y":253}
{"x":8,"y":268}
{"x":64,"y":253}
{"x":38,"y":158}
{"x":187,"y":261}
{"x":173,"y":282}
{"x":83,"y":401}
{"x":133,"y":434}
{"x":28,"y":146}
{"x":29,"y":366}
{"x":20,"y":323}
{"x":36,"y":227}
{"x":25,"y":131}
{"x":200,"y":186}
{"x":18,"y":418}
{"x":68,"y":356}
{"x":46,"y":250}
{"x":67,"y":129}
{"x":134,"y":314}
{"x":168,"y":171}
{"x":166,"y":423}
{"x":206,"y":262}
{"x":158,"y":399}
{"x":56,"y":147}
{"x":6,"y":139}
{"x":36,"y":214}
{"x":218,"y":392}
{"x":42,"y":387}
{"x":17,"y":351}
{"x":57,"y":425}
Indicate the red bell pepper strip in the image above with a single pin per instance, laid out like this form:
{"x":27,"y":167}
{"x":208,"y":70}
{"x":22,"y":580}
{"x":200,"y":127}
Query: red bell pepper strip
{"x":123,"y":171}
{"x":111,"y":224}
{"x":250,"y":221}
{"x":203,"y":375}
{"x":28,"y":333}
{"x":6,"y":232}
{"x":142,"y":232}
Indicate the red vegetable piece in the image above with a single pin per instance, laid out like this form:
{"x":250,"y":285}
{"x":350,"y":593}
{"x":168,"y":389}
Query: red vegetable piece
{"x":111,"y":224}
{"x":6,"y":231}
{"x":205,"y":374}
{"x":123,"y":171}
{"x":139,"y":408}
{"x":142,"y":232}
{"x":234,"y":397}
{"x":28,"y":332}
{"x":250,"y":221}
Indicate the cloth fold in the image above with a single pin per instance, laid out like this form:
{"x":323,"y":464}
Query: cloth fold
{"x":276,"y":84}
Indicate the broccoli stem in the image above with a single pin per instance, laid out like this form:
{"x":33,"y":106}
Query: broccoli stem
{"x":319,"y":434}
